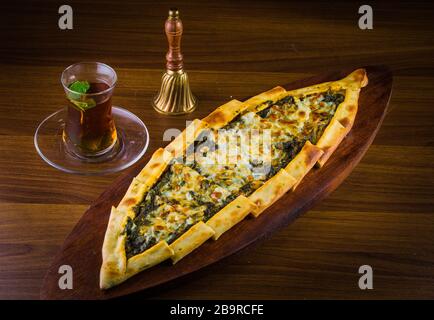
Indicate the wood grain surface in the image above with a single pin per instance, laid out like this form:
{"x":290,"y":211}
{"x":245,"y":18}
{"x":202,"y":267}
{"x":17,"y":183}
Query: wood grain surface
{"x":382,"y":215}
{"x":88,"y":234}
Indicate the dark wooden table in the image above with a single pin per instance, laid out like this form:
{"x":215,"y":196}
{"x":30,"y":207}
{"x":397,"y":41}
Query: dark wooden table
{"x":382,"y":215}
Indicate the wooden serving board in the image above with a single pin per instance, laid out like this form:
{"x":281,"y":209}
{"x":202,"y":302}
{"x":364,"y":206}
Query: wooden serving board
{"x":82,"y":248}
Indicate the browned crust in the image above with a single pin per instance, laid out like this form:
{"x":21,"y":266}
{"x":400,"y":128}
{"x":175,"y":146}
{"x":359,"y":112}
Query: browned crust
{"x":356,"y":79}
{"x":271,"y":191}
{"x":145,"y":180}
{"x":256,"y":103}
{"x":303,"y":162}
{"x":147,"y":259}
{"x":230,"y":215}
{"x":190,"y":240}
{"x":330,"y":140}
{"x":155,"y":167}
{"x":223,"y":114}
{"x":133,"y":196}
{"x":114,"y":262}
{"x":345,"y":114}
{"x":178,"y":146}
{"x":347,"y":110}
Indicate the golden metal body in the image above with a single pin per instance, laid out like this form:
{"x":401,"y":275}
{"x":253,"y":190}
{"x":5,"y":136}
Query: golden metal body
{"x":174,"y":97}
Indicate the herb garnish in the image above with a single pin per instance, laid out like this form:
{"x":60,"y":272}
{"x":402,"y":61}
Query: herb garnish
{"x":77,"y":99}
{"x":79,"y":86}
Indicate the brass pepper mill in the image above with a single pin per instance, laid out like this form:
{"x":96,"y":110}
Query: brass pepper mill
{"x":175,"y":96}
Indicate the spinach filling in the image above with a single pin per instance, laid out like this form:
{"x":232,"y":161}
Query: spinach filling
{"x":137,"y":242}
{"x":290,"y":150}
{"x":336,"y":97}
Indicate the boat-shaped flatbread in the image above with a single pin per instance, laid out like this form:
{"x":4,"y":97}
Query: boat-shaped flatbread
{"x":235,"y":162}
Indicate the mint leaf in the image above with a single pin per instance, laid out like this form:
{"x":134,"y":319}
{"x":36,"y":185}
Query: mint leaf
{"x":83,"y":105}
{"x":78,"y":97}
{"x":79,"y":86}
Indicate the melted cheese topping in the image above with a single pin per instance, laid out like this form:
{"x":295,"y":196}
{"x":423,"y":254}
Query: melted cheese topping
{"x":235,"y":160}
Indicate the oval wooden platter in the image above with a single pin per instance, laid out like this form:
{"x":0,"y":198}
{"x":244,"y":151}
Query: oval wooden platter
{"x":82,"y":248}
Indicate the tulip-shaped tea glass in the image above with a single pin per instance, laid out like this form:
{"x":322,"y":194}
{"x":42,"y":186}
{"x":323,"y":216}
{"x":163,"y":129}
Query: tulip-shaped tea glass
{"x":89,"y":136}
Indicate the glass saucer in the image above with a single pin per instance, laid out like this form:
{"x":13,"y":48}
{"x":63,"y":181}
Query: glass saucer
{"x":131,"y":145}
